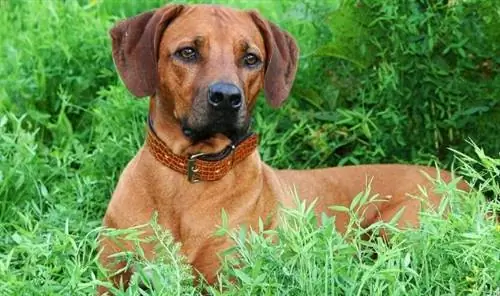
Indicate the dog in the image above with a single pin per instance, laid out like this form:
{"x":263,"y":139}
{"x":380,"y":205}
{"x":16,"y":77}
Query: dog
{"x":203,"y":67}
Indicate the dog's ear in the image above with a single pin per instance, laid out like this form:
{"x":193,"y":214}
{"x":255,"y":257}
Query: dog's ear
{"x":281,"y":61}
{"x":135,"y":48}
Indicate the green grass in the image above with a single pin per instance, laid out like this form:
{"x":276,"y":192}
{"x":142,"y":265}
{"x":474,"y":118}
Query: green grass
{"x":68,"y":127}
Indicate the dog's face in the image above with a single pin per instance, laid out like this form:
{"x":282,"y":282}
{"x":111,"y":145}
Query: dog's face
{"x":207,"y":63}
{"x":211,"y":65}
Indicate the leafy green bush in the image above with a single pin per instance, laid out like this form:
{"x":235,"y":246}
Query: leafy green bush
{"x":400,"y":81}
{"x":49,"y":49}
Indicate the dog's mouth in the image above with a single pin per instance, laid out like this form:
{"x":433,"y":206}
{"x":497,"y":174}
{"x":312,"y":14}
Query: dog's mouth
{"x":232,"y":130}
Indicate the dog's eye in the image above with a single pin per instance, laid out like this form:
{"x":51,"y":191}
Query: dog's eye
{"x":251,"y":60}
{"x":187,"y":53}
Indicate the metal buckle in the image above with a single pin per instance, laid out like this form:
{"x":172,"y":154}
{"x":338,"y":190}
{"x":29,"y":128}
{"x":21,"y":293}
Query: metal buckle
{"x":231,"y":153}
{"x":191,"y":168}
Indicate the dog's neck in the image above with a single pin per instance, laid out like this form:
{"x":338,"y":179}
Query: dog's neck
{"x":168,"y":129}
{"x":198,"y":166}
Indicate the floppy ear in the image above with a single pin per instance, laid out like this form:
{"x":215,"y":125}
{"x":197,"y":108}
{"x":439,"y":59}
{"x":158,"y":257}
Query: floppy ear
{"x":135,"y":48}
{"x":281,"y":61}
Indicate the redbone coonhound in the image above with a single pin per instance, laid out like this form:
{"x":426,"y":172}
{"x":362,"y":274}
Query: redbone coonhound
{"x":202,"y":67}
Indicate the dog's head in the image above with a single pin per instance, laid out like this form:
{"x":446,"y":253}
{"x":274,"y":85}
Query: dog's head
{"x":206,"y":63}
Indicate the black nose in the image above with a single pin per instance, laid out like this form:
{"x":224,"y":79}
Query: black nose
{"x":224,"y":96}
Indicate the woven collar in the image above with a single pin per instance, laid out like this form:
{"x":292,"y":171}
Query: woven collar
{"x":201,"y":166}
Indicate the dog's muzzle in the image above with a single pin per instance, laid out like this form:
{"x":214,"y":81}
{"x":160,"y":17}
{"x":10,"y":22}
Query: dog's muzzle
{"x":221,"y":111}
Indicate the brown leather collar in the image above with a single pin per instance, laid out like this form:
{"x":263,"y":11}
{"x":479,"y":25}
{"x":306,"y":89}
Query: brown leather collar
{"x":201,"y":166}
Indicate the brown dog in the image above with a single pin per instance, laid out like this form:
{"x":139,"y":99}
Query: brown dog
{"x":203,"y":67}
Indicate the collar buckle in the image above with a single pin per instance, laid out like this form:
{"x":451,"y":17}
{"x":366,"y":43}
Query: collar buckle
{"x":192,"y":170}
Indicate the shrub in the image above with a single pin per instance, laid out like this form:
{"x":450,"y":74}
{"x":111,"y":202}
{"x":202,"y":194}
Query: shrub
{"x":399,"y":81}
